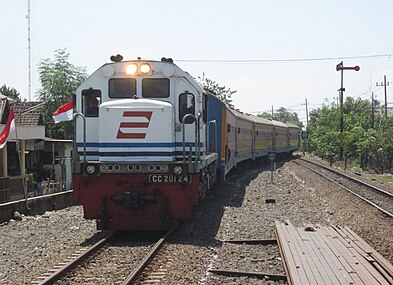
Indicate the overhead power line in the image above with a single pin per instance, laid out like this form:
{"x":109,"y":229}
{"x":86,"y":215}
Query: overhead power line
{"x":282,"y":60}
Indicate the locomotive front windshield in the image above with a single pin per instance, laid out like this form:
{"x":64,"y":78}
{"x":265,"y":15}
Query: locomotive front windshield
{"x":155,"y":88}
{"x":127,"y":88}
{"x":122,"y":88}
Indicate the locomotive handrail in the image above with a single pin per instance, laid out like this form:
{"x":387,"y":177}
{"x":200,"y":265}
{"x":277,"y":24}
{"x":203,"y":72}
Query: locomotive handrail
{"x":184,"y":134}
{"x":198,"y":154}
{"x":215,"y":134}
{"x":84,"y":137}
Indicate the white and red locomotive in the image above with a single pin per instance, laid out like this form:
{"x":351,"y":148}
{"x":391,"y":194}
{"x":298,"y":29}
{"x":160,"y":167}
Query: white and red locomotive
{"x":150,"y":142}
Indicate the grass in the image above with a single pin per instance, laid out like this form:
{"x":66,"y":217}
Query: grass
{"x":379,"y":178}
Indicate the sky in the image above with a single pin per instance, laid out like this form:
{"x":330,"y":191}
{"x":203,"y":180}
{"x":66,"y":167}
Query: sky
{"x":273,"y":53}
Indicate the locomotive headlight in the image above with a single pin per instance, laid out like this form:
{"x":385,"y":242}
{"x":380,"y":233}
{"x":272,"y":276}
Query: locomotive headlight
{"x":177,"y":170}
{"x":145,"y":68}
{"x":132,"y":69}
{"x":90,"y":169}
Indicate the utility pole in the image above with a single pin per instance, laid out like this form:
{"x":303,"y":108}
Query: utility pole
{"x":306,"y":136}
{"x":372,"y":110}
{"x":272,"y":112}
{"x":340,"y":67}
{"x":384,"y":84}
{"x":306,"y":114}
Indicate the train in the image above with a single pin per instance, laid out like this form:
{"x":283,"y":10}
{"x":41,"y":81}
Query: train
{"x":150,"y":142}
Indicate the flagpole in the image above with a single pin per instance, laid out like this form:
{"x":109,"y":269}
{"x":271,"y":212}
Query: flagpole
{"x":22,"y":171}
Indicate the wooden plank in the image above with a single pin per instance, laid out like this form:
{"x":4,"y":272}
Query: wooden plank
{"x":383,"y":272}
{"x":386,"y":265}
{"x":331,"y":256}
{"x":380,"y":267}
{"x":319,"y":251}
{"x":328,"y":260}
{"x":299,"y":253}
{"x":327,"y":255}
{"x":356,"y":251}
{"x":306,"y":257}
{"x":295,"y":271}
{"x":281,"y":247}
{"x":352,"y":259}
{"x":328,"y":237}
{"x":376,"y":275}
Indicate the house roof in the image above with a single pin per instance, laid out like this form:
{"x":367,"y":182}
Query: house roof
{"x":26,"y":113}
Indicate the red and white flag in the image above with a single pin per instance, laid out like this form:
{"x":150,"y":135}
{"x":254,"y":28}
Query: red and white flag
{"x":9,"y":127}
{"x":64,"y":113}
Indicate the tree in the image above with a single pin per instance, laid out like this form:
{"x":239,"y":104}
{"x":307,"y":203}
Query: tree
{"x":9,"y":92}
{"x":282,"y":115}
{"x":369,"y":146}
{"x":59,"y":81}
{"x":221,"y":92}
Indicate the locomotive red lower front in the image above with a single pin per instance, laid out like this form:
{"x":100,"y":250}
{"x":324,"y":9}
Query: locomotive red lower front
{"x":134,"y":201}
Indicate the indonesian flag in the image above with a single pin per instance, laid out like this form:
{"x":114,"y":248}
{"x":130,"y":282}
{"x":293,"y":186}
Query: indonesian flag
{"x":9,"y":127}
{"x":64,"y":113}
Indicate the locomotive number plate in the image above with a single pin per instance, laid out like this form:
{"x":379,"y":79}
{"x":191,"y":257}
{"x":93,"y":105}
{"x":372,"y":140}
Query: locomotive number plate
{"x":165,"y":178}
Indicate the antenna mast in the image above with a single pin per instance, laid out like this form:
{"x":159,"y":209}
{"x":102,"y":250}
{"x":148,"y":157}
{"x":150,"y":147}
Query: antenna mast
{"x":29,"y":46}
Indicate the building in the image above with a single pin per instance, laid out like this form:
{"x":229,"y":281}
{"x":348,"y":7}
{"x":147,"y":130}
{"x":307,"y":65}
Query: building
{"x":15,"y":156}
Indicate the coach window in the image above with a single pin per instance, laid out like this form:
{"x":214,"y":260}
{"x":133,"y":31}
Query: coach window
{"x":186,"y":106}
{"x":91,"y":99}
{"x":155,"y":88}
{"x":122,"y":88}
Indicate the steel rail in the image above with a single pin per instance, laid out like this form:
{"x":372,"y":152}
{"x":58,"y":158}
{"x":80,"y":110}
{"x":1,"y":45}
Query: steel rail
{"x":349,"y":190}
{"x":72,"y":264}
{"x":351,"y":178}
{"x":139,"y":269}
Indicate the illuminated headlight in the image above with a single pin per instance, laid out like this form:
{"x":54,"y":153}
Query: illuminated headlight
{"x":90,"y":169}
{"x":132,"y":69}
{"x":177,"y":170}
{"x":145,"y":68}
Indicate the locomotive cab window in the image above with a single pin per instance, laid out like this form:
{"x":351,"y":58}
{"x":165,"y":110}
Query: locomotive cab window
{"x":91,"y":99}
{"x":122,"y":88}
{"x":155,"y":88}
{"x":186,"y":106}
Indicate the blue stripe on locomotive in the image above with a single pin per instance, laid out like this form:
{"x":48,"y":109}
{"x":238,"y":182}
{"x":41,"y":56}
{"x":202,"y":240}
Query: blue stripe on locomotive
{"x":215,"y":112}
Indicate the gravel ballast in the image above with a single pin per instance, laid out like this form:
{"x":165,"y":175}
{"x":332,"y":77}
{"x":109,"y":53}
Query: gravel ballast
{"x":237,"y":209}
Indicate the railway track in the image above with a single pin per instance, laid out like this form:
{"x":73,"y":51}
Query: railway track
{"x":378,"y":198}
{"x":114,"y":259}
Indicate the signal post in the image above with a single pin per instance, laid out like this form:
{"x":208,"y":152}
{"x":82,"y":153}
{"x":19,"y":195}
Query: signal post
{"x":341,"y":67}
